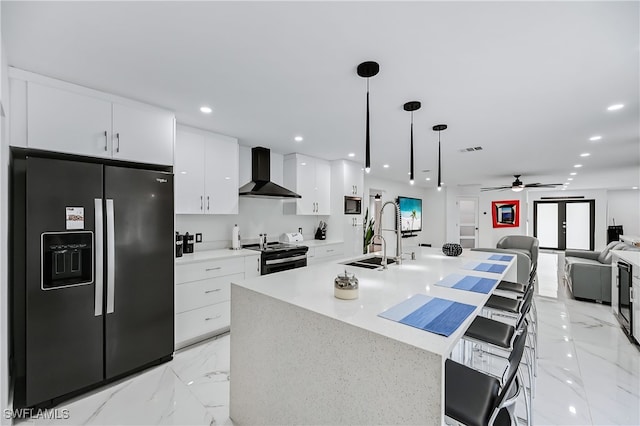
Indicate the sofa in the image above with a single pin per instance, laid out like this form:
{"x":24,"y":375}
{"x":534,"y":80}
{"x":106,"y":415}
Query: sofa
{"x":588,"y":273}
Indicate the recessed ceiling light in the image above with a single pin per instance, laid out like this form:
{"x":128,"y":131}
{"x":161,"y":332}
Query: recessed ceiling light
{"x":567,"y":183}
{"x":577,"y":165}
{"x":428,"y":178}
{"x":573,"y":173}
{"x":595,"y":138}
{"x":569,"y":178}
{"x":615,"y":107}
{"x":352,"y":154}
{"x":303,"y":164}
{"x":634,"y":187}
{"x":206,"y":109}
{"x":585,"y":154}
{"x":183,"y":173}
{"x":298,"y":139}
{"x":386,"y":166}
{"x":227,"y":178}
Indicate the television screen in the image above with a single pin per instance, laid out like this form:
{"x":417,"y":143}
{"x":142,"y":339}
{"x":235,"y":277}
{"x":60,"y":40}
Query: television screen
{"x":410,"y":214}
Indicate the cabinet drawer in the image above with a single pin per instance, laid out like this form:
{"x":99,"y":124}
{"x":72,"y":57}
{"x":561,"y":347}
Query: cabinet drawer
{"x":197,"y":294}
{"x":209,"y":269}
{"x":330,"y":250}
{"x":199,"y":322}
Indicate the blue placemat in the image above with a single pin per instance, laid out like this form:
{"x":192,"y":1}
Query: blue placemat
{"x":440,"y":316}
{"x":485,"y":267}
{"x":501,"y":257}
{"x":468,"y":282}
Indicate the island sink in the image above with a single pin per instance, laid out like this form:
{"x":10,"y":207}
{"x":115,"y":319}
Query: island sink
{"x":372,"y":262}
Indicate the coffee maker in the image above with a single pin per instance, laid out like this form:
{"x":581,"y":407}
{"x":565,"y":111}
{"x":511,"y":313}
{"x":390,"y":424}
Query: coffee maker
{"x":188,"y":243}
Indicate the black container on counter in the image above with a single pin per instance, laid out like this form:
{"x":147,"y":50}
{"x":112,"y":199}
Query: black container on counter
{"x":179,"y":244}
{"x":188,"y":243}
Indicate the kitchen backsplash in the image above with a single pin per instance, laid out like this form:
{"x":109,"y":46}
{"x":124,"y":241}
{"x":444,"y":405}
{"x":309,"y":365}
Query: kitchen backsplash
{"x":256,"y":216}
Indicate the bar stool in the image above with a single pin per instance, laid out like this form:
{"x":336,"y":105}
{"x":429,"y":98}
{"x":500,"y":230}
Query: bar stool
{"x":478,"y":399}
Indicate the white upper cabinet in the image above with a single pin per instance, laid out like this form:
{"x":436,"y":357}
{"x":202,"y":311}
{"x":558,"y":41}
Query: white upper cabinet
{"x":353,"y":179}
{"x":189,"y":172}
{"x":221,"y":174}
{"x":142,"y":134}
{"x":206,"y":172}
{"x":311,"y":178}
{"x":63,"y":121}
{"x":53,"y":115}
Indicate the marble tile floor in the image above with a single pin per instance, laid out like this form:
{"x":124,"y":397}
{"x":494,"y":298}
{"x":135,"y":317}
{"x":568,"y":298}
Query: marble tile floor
{"x":589,"y":373}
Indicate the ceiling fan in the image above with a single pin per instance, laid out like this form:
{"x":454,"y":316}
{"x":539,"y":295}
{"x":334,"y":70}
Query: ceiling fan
{"x":518,"y":186}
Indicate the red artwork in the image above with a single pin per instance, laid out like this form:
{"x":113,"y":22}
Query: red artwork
{"x":506,"y":214}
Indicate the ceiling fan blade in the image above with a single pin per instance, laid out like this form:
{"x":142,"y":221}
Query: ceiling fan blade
{"x":542,"y":185}
{"x":495,"y":188}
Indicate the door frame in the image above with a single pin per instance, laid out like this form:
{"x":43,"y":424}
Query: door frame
{"x":562,"y":218}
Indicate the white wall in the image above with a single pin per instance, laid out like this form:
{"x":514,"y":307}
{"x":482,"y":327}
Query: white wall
{"x":255,"y":216}
{"x":600,"y":197}
{"x":4,"y":244}
{"x":624,"y":207}
{"x":433,"y":211}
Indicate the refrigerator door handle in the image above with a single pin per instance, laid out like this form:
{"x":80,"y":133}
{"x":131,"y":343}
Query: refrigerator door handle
{"x":99,"y":253}
{"x":111,"y":254}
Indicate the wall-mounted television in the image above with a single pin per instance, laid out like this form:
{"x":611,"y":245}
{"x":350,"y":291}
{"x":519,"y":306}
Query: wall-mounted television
{"x":410,"y":214}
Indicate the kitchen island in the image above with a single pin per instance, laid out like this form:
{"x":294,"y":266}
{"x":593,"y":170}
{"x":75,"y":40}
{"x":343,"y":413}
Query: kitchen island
{"x":301,"y":356}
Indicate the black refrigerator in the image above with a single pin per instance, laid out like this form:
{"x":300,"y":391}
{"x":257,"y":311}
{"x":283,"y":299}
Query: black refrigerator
{"x":92,"y":278}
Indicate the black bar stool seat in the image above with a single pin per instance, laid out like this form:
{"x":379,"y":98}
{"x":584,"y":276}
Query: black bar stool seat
{"x":503,"y":304}
{"x":511,"y":286}
{"x":490,"y":331}
{"x":471,"y":396}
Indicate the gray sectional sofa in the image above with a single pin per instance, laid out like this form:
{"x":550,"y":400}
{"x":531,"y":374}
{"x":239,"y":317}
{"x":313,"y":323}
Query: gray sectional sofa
{"x":588,"y":273}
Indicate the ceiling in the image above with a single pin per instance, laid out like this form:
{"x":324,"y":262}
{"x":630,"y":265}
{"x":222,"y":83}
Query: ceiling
{"x":530,"y":82}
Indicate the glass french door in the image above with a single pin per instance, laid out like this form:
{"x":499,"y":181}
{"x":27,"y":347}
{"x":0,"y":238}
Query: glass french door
{"x":564,"y":224}
{"x":468,"y":222}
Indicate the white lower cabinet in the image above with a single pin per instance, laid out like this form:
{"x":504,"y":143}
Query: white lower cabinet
{"x":325,"y":253}
{"x":203,"y":294}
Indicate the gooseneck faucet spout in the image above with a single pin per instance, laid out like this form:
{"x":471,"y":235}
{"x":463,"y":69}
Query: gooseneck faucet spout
{"x":398,"y":230}
{"x":384,"y":250}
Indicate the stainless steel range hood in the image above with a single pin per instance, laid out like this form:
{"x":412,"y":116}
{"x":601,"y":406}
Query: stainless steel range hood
{"x":261,"y":185}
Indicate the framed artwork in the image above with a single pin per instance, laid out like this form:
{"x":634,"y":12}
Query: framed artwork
{"x":506,"y":214}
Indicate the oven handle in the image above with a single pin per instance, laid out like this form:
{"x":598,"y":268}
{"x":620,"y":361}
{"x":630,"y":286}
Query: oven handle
{"x":285,"y":260}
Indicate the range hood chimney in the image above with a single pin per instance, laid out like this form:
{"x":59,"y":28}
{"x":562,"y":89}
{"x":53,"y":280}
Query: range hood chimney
{"x":261,"y":185}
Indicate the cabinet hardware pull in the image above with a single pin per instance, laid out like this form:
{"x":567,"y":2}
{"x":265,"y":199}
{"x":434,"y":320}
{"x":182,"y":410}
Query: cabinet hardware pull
{"x":207,"y":202}
{"x":258,"y":267}
{"x":329,"y":251}
{"x":118,"y":141}
{"x":201,"y":205}
{"x":214,"y":269}
{"x":211,"y":291}
{"x":106,"y":141}
{"x":214,"y":318}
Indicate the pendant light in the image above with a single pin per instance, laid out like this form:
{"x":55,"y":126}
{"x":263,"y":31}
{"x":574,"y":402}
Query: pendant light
{"x":438,"y":128}
{"x":411,"y":106}
{"x":368,"y":70}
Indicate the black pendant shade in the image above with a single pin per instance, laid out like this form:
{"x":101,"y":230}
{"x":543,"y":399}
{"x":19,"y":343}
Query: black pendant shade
{"x":438,"y":128}
{"x":412,"y":106}
{"x":367,"y":70}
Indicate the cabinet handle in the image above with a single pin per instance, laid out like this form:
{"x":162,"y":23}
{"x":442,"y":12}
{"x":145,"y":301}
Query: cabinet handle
{"x":211,"y":291}
{"x":258,"y":262}
{"x":201,"y":203}
{"x":106,"y":141}
{"x":213,"y":269}
{"x":214,"y":318}
{"x":118,"y":142}
{"x":329,"y":251}
{"x":356,"y":189}
{"x":207,"y":202}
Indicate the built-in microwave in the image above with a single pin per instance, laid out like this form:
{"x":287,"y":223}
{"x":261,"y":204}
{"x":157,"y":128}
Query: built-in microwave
{"x":352,"y":205}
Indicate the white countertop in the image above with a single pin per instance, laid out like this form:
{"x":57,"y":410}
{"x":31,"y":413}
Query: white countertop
{"x":204,"y":255}
{"x":628,"y":255}
{"x":311,"y":288}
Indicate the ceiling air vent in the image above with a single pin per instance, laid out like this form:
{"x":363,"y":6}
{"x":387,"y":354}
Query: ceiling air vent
{"x":471,"y":149}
